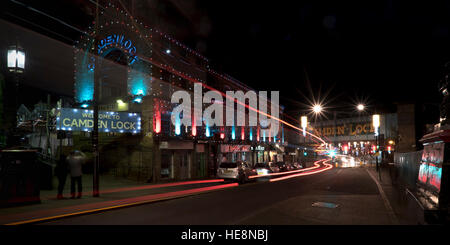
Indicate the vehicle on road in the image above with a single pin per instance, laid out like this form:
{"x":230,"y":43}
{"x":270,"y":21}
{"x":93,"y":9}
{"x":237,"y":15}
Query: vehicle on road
{"x":237,"y":171}
{"x":264,"y":168}
{"x":274,"y":167}
{"x":297,"y":165}
{"x":283,"y":166}
{"x":290,"y":166}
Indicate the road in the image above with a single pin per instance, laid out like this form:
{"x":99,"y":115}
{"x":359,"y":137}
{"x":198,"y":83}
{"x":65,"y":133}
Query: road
{"x":351,"y":195}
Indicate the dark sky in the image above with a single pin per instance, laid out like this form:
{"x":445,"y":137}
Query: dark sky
{"x":378,"y":51}
{"x":383,"y":51}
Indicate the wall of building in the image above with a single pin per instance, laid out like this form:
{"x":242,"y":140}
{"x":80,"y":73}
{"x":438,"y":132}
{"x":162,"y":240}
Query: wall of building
{"x":406,"y":128}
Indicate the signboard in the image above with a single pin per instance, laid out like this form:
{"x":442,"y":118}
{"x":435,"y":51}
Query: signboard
{"x":234,"y":148}
{"x":72,"y":119}
{"x":350,"y":129}
{"x":257,"y":148}
{"x":176,"y":145}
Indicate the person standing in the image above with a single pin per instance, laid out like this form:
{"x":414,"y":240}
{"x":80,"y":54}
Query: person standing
{"x":61,"y":172}
{"x":75,"y":161}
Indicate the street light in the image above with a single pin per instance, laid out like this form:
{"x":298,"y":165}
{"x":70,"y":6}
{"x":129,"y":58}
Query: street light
{"x":376,"y":125}
{"x":317,"y":108}
{"x":16,"y":59}
{"x":360,"y":107}
{"x":16,"y":65}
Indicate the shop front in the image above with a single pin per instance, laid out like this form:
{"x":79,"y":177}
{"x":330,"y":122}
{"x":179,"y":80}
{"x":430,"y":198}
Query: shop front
{"x":176,"y":159}
{"x":234,"y":153}
{"x":257,"y":154}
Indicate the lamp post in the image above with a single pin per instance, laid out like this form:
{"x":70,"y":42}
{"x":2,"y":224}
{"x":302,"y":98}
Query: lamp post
{"x":16,"y":65}
{"x":376,"y":126}
{"x":95,"y":184}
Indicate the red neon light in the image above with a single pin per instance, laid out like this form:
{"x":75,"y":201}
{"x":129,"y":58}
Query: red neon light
{"x":157,"y":122}
{"x":222,"y":135}
{"x":242,"y":133}
{"x":194,"y":128}
{"x":257,"y":134}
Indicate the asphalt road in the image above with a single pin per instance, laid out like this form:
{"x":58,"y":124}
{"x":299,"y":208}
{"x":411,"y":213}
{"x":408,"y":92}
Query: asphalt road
{"x":355,"y":195}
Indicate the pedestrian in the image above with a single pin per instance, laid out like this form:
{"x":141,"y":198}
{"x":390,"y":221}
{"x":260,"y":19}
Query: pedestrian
{"x":75,"y":160}
{"x":61,"y":172}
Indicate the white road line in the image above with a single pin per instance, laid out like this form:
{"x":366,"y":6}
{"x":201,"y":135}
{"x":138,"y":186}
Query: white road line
{"x":388,"y":206}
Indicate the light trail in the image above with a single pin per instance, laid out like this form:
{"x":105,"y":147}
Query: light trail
{"x":88,"y":208}
{"x":316,"y":165}
{"x":152,"y":186}
{"x":328,"y":167}
{"x":263,"y":113}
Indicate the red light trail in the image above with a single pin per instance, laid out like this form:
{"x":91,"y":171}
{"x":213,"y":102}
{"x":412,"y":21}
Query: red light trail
{"x":328,"y":167}
{"x":153,"y":186}
{"x":316,"y":163}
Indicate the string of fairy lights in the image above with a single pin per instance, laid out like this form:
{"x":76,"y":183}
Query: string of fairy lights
{"x":149,"y":36}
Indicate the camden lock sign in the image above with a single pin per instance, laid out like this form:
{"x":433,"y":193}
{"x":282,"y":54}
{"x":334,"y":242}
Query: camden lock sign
{"x":72,"y":119}
{"x":350,"y":129}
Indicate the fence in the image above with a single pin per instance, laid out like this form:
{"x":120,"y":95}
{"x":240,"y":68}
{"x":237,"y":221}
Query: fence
{"x":407,"y":166}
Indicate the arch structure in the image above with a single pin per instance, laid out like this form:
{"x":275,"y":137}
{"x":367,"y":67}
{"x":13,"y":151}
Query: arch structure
{"x":116,"y":31}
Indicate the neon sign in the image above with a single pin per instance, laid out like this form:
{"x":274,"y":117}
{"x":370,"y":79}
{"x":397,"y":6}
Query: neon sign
{"x":118,"y":40}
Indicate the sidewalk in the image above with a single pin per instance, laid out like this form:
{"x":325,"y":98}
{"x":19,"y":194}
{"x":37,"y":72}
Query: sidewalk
{"x":114,"y":193}
{"x":404,"y":207}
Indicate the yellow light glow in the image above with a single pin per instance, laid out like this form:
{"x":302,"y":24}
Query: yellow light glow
{"x":376,"y":120}
{"x":317,"y":108}
{"x":304,"y":121}
{"x":122,"y":106}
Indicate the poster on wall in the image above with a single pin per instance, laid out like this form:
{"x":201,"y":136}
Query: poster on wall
{"x":431,"y":167}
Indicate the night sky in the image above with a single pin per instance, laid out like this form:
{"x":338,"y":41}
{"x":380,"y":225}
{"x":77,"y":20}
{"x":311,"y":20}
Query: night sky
{"x":378,"y":52}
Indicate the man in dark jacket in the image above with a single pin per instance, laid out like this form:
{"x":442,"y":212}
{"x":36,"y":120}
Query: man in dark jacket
{"x":61,"y":172}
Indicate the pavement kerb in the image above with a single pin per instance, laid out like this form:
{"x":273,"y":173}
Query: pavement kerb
{"x":386,"y":202}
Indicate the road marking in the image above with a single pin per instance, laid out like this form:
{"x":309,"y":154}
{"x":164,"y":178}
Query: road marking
{"x":386,"y":202}
{"x":226,"y":186}
{"x":325,"y":205}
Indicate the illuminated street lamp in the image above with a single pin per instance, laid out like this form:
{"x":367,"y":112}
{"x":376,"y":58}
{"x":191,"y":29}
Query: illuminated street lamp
{"x":360,"y":107}
{"x":16,"y":65}
{"x":317,"y":108}
{"x":16,"y":59}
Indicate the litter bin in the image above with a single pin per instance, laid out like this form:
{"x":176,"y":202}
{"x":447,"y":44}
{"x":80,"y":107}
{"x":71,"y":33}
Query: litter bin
{"x":19,"y":177}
